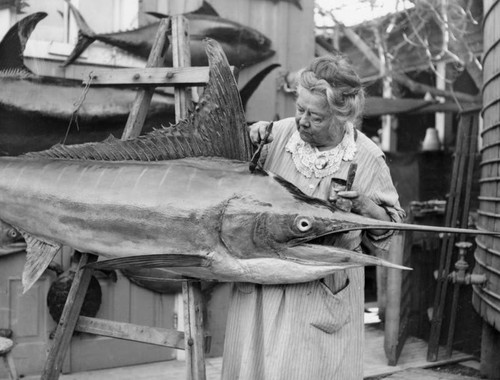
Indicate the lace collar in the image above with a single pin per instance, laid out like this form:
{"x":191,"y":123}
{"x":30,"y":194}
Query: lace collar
{"x":309,"y":160}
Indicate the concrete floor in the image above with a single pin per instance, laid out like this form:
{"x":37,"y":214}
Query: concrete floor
{"x":413,"y":355}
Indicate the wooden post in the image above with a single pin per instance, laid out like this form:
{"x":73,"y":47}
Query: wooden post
{"x":191,"y":291}
{"x":140,"y":107}
{"x":395,"y":313}
{"x":194,"y":335}
{"x":68,"y":320}
{"x":181,"y":57}
{"x":490,"y":347}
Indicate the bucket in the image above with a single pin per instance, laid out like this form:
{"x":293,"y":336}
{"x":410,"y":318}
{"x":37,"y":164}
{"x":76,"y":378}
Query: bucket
{"x":431,"y":141}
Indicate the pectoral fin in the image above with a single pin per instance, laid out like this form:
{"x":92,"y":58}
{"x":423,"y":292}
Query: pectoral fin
{"x":152,"y":261}
{"x":39,"y":255}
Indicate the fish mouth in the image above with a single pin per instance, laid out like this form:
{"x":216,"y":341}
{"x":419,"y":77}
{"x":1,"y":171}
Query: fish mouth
{"x":324,"y":255}
{"x":14,"y":247}
{"x":304,"y":240}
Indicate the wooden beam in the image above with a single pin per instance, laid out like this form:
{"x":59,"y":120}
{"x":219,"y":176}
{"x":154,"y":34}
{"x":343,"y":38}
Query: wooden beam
{"x":68,"y":320}
{"x":140,"y":107}
{"x":128,"y":331}
{"x":490,"y":346}
{"x":191,"y":291}
{"x":157,"y":76}
{"x":194,"y":330}
{"x":181,"y":57}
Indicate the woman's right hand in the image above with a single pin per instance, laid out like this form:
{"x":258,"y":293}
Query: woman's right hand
{"x":257,"y":132}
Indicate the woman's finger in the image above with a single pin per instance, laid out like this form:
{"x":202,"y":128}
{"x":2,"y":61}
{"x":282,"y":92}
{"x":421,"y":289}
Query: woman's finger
{"x":257,"y":131}
{"x":348,"y":194}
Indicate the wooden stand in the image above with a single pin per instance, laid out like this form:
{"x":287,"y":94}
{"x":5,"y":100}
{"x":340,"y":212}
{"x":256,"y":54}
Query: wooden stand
{"x":457,"y":214}
{"x":192,"y":340}
{"x":490,"y":347}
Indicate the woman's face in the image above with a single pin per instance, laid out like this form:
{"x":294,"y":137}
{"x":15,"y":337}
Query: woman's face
{"x":315,"y":121}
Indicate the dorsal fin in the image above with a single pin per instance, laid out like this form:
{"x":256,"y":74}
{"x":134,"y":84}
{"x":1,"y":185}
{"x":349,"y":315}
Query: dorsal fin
{"x":13,"y":44}
{"x":205,"y":9}
{"x":216,"y":127}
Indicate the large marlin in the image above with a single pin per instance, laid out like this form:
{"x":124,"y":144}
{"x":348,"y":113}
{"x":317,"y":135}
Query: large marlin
{"x":51,"y":110}
{"x":243,"y":46}
{"x":181,"y":199}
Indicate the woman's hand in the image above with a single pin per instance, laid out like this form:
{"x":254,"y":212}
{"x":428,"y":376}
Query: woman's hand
{"x":362,"y":205}
{"x":257,"y":132}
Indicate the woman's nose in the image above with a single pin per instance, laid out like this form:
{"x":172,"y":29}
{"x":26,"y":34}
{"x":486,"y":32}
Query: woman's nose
{"x":304,"y":121}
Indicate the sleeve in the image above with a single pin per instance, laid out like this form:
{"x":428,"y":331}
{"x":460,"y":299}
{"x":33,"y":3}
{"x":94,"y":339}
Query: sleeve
{"x":282,"y":130}
{"x":383,"y":193}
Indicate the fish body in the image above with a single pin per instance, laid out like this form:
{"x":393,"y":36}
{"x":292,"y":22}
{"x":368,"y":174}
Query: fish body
{"x":217,"y":212}
{"x":217,"y":221}
{"x":243,"y":46}
{"x":181,"y":199}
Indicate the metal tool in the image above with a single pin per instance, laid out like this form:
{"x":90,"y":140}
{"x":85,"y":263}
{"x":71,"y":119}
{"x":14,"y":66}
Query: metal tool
{"x":342,"y":203}
{"x":263,"y":141}
{"x":351,"y":173}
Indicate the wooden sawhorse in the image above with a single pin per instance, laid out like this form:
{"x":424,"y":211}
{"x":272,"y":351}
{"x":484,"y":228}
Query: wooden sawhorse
{"x":192,"y":340}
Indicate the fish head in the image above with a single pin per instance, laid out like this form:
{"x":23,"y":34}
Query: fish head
{"x":11,"y":240}
{"x":252,"y":227}
{"x":252,"y":230}
{"x":273,"y":217}
{"x":281,"y":223}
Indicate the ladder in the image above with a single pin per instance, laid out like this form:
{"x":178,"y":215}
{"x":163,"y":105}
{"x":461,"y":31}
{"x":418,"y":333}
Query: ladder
{"x":192,"y":340}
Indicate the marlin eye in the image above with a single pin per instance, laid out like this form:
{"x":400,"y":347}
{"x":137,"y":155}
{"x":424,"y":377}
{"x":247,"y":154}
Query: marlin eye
{"x":303,"y":224}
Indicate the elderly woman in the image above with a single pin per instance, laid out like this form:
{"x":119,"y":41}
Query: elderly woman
{"x":314,"y":330}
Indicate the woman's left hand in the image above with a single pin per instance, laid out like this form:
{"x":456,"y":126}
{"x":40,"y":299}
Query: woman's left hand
{"x":360,"y":203}
{"x":363,"y":205}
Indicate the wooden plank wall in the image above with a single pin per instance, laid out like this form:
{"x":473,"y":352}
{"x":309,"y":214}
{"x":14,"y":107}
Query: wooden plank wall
{"x":290,"y":29}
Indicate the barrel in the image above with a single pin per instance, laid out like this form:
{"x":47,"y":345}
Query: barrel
{"x":486,"y":298}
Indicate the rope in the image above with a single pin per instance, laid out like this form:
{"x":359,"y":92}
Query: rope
{"x":77,"y":105}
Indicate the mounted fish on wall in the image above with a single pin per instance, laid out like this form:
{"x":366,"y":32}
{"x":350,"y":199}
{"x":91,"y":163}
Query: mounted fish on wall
{"x":181,"y":199}
{"x":44,"y":108}
{"x":243,"y":46}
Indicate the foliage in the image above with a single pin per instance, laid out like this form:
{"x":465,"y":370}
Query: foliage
{"x":439,"y":30}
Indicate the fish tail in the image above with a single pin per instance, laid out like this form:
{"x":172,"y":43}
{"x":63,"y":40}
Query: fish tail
{"x":14,"y":42}
{"x":247,"y":91}
{"x":85,"y":35}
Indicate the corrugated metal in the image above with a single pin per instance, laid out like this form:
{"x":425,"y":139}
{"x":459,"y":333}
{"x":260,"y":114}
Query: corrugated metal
{"x":486,"y":300}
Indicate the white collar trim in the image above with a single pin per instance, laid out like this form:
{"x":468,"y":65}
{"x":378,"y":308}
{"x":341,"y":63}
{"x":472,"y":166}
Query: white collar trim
{"x":309,"y":160}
